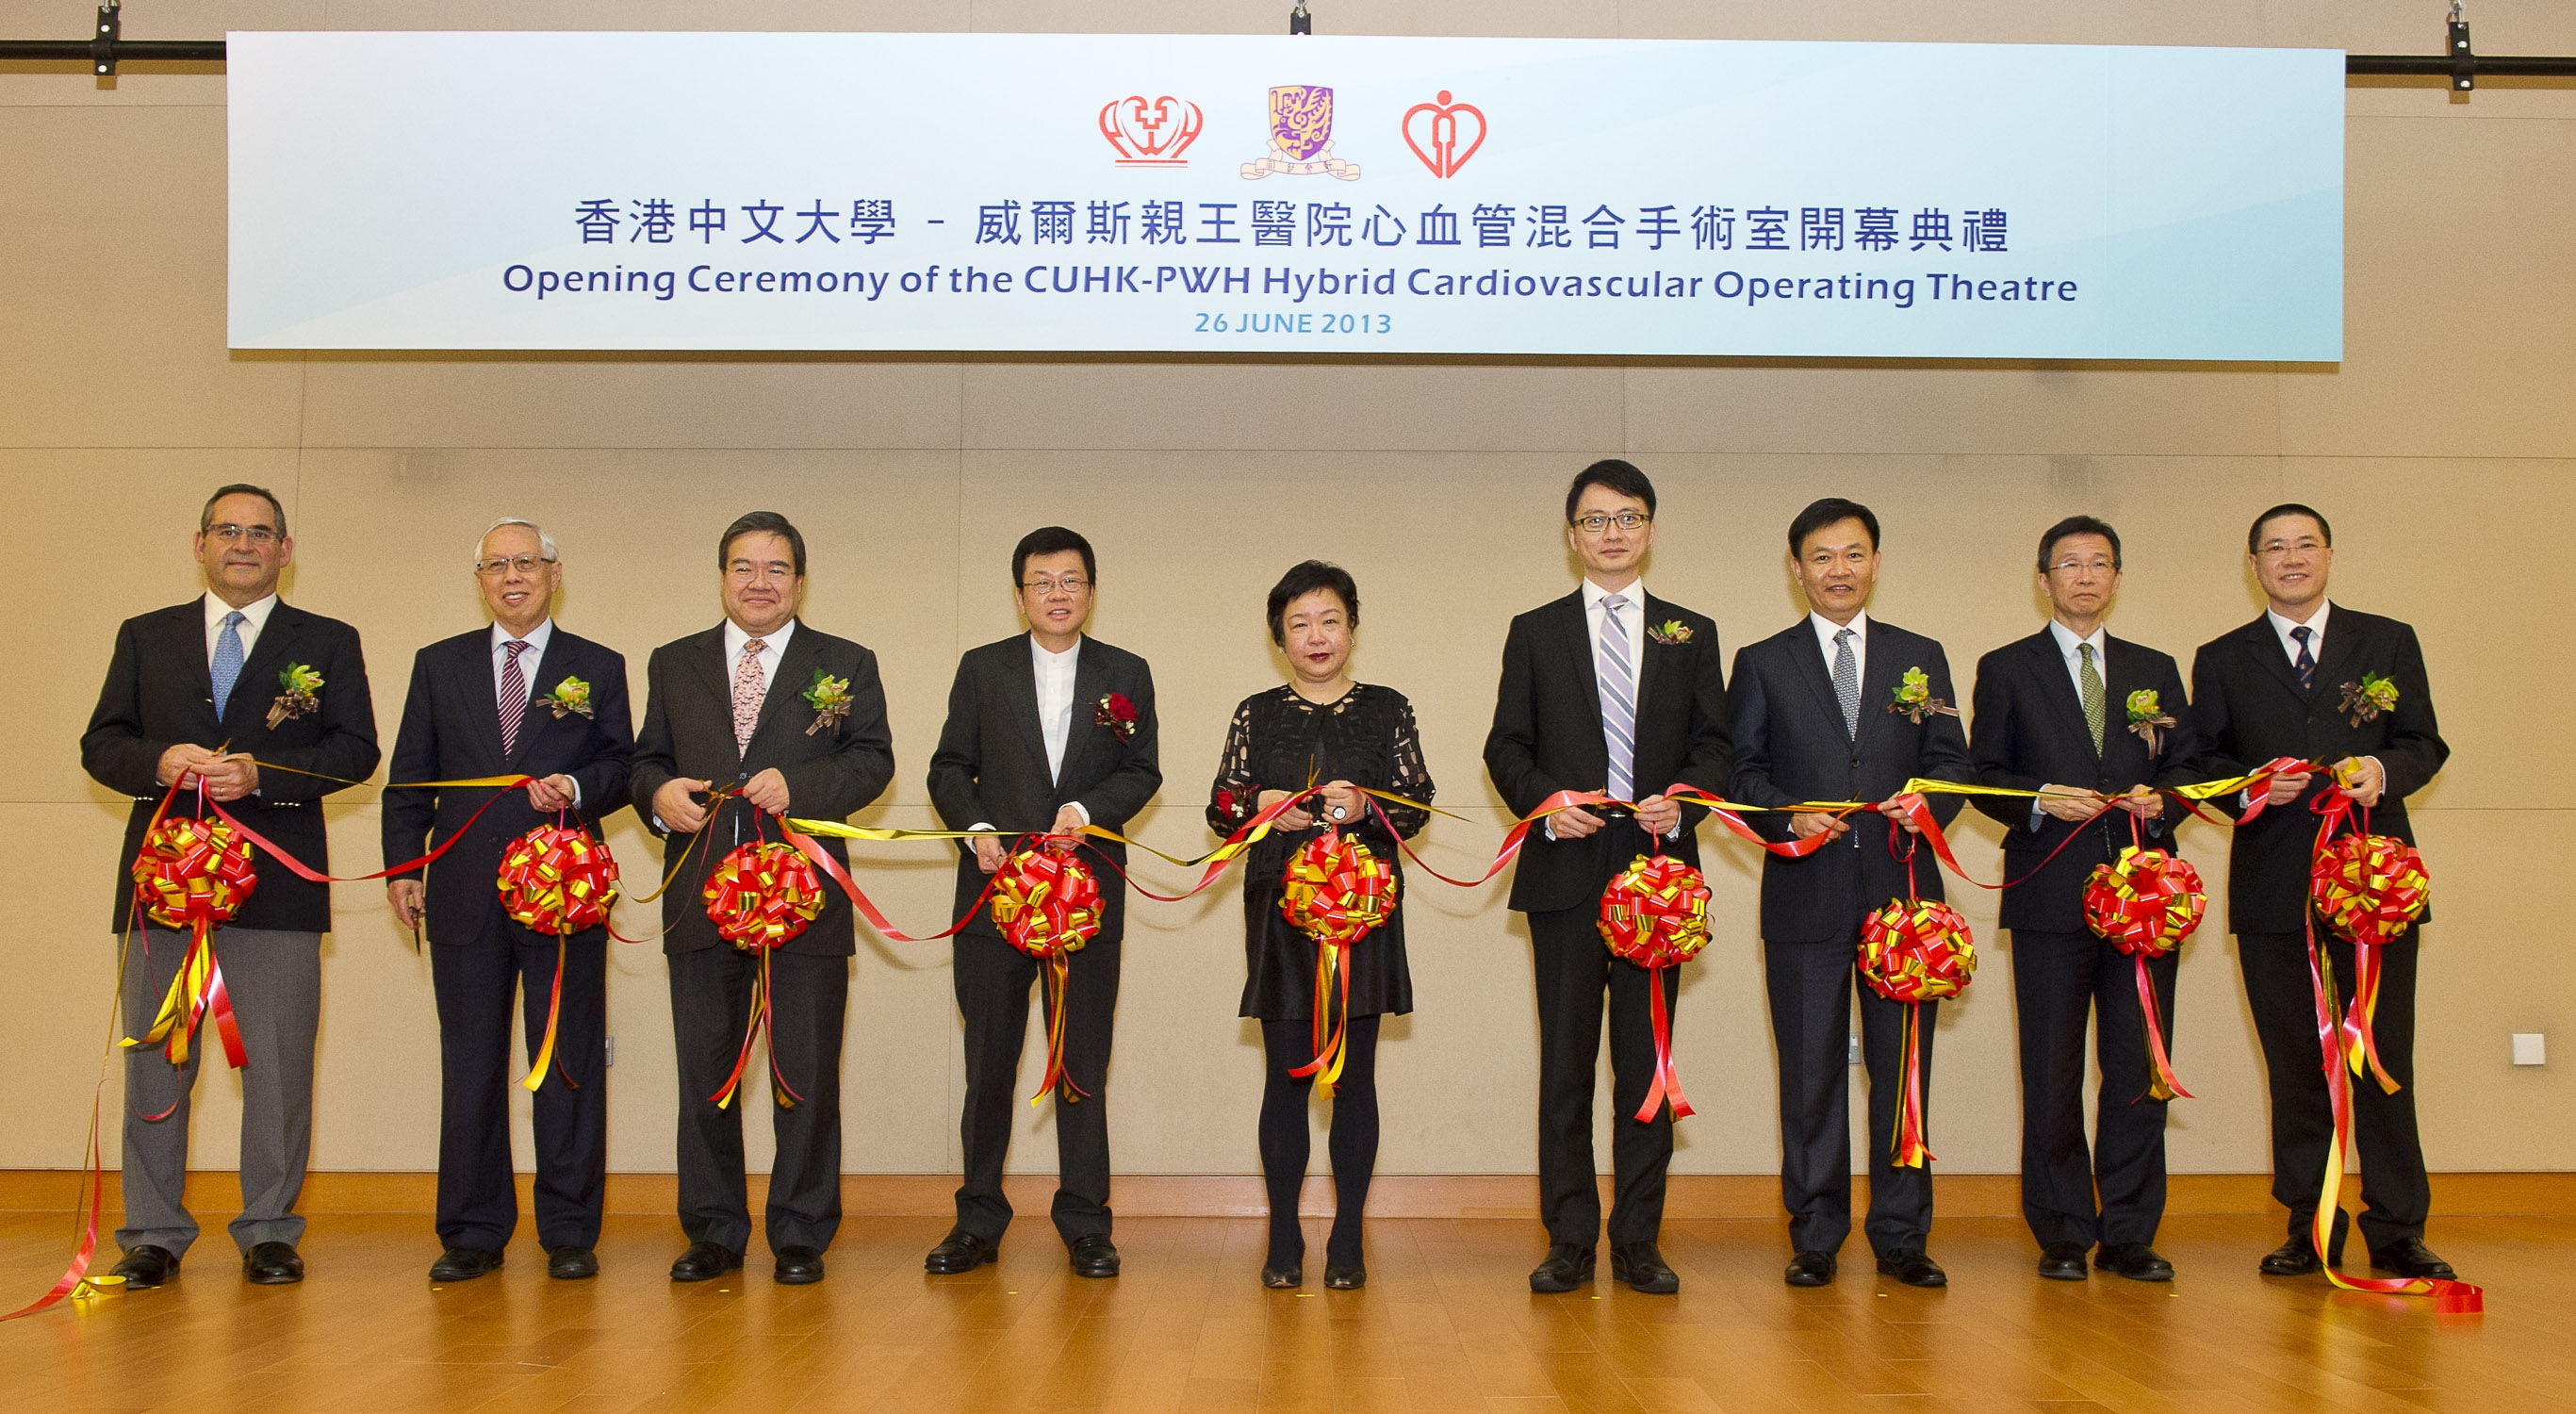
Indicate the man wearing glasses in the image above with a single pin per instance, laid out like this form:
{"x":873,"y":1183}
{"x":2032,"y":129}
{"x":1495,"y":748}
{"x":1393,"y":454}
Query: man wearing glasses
{"x":193,"y":701}
{"x":1608,"y":689}
{"x":778,"y":716}
{"x":2323,"y":683}
{"x":2064,"y":713}
{"x":1047,"y":732}
{"x":520,"y":697}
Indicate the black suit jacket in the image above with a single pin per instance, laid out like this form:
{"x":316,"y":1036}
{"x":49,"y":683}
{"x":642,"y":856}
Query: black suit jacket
{"x":2030,"y":732}
{"x":160,"y":693}
{"x":1547,"y":737}
{"x":1790,"y":746}
{"x":831,"y":774}
{"x":451,"y":730}
{"x":991,"y":766}
{"x":2247,"y":703}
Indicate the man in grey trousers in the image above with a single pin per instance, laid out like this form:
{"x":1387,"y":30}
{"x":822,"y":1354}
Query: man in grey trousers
{"x":199,"y":698}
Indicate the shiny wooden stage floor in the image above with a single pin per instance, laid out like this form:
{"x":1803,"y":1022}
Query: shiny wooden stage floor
{"x":1446,"y":1323}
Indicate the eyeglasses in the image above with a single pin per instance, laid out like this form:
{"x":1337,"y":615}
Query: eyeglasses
{"x":255,"y":534}
{"x":2074,"y":568}
{"x":2278,"y":549}
{"x":1625,"y":520}
{"x":746,"y":572}
{"x":524,"y":564}
{"x":1044,"y":585}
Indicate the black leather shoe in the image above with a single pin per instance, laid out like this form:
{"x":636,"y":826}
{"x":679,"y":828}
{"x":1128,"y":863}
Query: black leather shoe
{"x":1912,"y":1267}
{"x":2298,"y":1256}
{"x":1567,"y":1267}
{"x":1350,"y":1278}
{"x":2134,"y":1260}
{"x":1642,"y":1267}
{"x":146,"y":1267}
{"x":2409,"y":1257}
{"x":1283,"y":1278}
{"x":1812,"y":1268}
{"x":572,"y":1263}
{"x":1093,"y":1256}
{"x":705,"y":1261}
{"x":464,"y":1264}
{"x":272,"y":1264}
{"x":799,"y":1266}
{"x":2062,"y":1261}
{"x":959,"y":1252}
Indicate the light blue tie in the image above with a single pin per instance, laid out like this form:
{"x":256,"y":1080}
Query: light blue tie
{"x":1618,"y":698}
{"x":226,"y":669}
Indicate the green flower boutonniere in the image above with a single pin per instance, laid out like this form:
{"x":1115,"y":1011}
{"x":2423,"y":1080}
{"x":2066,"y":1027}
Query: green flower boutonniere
{"x":830,"y":698}
{"x":1671,"y":633}
{"x":2147,"y":718}
{"x":2363,"y":701}
{"x":1914,"y":700}
{"x":303,"y":694}
{"x":571,"y":695}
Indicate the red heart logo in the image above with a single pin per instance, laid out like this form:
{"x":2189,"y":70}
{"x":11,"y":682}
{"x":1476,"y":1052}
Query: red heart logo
{"x":1445,"y":155}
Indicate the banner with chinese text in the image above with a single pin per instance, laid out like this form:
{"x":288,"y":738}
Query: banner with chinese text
{"x":1269,"y":194}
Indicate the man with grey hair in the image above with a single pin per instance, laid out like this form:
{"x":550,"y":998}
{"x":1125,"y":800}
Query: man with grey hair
{"x":520,"y":698}
{"x":191,"y":721}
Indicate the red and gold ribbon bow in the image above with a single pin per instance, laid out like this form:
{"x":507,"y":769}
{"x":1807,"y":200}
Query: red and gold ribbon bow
{"x":1913,"y":951}
{"x":560,"y":881}
{"x":2145,"y":903}
{"x":760,"y":897}
{"x":193,"y":875}
{"x":1655,"y":914}
{"x":1048,"y":906}
{"x":1336,"y":892}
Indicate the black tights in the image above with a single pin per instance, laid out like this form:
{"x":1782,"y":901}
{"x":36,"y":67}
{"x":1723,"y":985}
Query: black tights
{"x":1285,"y":1143}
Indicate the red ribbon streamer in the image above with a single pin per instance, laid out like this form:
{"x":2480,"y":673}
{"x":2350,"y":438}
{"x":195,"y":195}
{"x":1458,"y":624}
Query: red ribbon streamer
{"x":1336,"y":892}
{"x":1914,"y":951}
{"x":2146,"y":903}
{"x":1655,"y":914}
{"x":1048,"y":906}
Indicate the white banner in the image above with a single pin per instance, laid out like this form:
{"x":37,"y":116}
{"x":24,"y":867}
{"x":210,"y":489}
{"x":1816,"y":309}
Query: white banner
{"x":1279,"y":195}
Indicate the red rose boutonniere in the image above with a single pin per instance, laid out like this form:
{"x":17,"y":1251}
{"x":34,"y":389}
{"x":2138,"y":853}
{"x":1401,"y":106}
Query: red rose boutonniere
{"x":1117,"y":714}
{"x":1225,"y":802}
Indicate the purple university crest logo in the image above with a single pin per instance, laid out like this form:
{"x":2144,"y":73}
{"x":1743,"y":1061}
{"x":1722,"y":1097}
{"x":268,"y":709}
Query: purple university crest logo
{"x":1301,"y":136}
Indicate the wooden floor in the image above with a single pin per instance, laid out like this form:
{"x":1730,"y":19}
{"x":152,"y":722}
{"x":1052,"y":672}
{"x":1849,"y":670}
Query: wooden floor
{"x":1446,"y":1323}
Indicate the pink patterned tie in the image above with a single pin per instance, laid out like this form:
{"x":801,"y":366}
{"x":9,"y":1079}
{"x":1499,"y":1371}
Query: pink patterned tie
{"x":514,"y":696}
{"x":750,"y":685}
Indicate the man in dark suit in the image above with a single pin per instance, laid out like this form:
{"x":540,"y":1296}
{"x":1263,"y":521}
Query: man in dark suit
{"x":521,"y":697}
{"x":189,"y":702}
{"x":1036,"y":743}
{"x":1816,"y":715}
{"x":2060,"y":713}
{"x":1607,"y":689}
{"x":785,"y":717}
{"x":2290,"y":684}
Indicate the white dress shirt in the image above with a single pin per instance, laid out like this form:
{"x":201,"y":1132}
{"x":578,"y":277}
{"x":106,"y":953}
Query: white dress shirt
{"x":1055,"y":698}
{"x":773,"y":651}
{"x":534,"y":654}
{"x":254,"y":616}
{"x":2316,"y":627}
{"x":1826,"y":629}
{"x":1632,"y":620}
{"x":2067,"y":644}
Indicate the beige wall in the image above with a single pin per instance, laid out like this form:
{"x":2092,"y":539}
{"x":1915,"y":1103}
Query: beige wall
{"x":2442,"y":447}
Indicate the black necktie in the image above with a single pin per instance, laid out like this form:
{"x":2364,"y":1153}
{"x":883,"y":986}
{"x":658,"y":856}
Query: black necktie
{"x":2307,"y":661}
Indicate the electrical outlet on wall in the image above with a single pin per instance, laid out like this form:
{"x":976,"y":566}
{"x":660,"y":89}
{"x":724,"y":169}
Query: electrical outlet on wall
{"x":2530,"y":1048}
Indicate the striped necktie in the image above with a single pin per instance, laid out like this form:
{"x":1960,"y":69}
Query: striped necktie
{"x":1618,"y":698}
{"x":514,"y":697}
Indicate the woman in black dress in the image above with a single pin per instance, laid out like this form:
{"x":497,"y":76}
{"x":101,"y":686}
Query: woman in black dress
{"x":1321,"y":729}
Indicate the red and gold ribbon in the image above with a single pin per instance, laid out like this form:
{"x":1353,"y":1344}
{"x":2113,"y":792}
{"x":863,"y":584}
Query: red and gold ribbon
{"x":1335,"y":892}
{"x":193,"y":874}
{"x":1048,"y":906}
{"x":560,"y":881}
{"x":1913,"y":951}
{"x":760,"y":896}
{"x":2146,"y":903}
{"x":1655,"y":914}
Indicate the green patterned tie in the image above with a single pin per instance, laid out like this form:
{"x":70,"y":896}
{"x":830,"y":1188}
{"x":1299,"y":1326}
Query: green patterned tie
{"x":2093,"y":699}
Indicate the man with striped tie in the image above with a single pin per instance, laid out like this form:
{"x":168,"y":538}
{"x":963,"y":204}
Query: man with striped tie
{"x":192,"y":701}
{"x":1608,"y":689}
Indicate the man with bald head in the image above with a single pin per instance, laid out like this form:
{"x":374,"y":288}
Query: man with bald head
{"x":519,"y":697}
{"x":192,"y":713}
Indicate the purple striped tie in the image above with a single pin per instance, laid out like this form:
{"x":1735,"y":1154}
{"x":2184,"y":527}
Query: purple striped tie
{"x":514,"y":696}
{"x":1618,"y":698}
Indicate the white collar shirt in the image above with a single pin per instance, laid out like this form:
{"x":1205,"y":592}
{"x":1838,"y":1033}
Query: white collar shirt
{"x":773,"y":651}
{"x":2316,"y":627}
{"x":2067,"y":646}
{"x":254,"y":618}
{"x":1055,"y":698}
{"x":529,"y":657}
{"x":1632,"y":619}
{"x":1826,"y":629}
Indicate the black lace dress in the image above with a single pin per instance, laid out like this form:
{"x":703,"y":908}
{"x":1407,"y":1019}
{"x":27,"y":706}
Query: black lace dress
{"x":1281,"y":741}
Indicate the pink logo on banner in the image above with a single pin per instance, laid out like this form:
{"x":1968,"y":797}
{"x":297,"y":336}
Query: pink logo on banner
{"x":1438,"y":146}
{"x":1150,"y":132}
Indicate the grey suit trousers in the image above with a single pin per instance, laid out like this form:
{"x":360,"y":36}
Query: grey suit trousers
{"x":275,"y":981}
